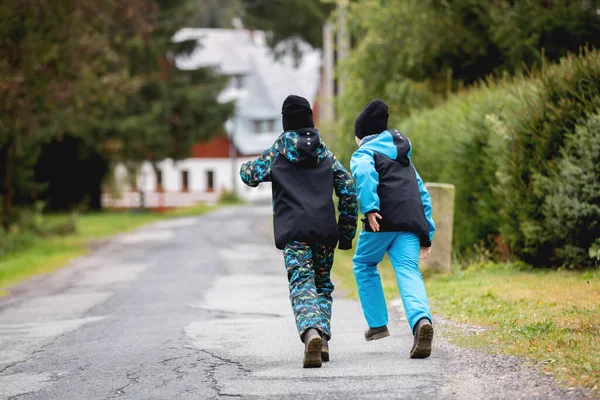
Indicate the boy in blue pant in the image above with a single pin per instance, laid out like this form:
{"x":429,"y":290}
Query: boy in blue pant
{"x":398,"y":221}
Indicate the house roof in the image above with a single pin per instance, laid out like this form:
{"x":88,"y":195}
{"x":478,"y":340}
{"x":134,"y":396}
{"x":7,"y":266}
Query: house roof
{"x":267,"y":81}
{"x":217,"y":147}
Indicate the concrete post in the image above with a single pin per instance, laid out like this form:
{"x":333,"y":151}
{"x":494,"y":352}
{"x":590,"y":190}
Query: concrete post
{"x":442,"y":202}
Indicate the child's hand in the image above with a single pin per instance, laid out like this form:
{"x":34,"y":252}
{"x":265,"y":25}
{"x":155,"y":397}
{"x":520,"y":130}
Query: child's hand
{"x":372,"y":218}
{"x":425,"y":252}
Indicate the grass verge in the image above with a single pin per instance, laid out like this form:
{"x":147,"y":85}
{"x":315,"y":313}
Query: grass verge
{"x":550,"y":317}
{"x":50,"y":253}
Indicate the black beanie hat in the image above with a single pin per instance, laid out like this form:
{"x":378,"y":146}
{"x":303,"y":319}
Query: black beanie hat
{"x":296,"y":113}
{"x":373,"y":119}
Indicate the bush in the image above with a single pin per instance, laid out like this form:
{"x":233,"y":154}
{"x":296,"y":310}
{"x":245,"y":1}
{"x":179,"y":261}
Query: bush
{"x":571,"y":209}
{"x":523,"y":154}
{"x":229,"y":197}
{"x":33,"y":220}
{"x":567,"y":95}
{"x":460,"y":142}
{"x":32,"y":224}
{"x":14,"y":241}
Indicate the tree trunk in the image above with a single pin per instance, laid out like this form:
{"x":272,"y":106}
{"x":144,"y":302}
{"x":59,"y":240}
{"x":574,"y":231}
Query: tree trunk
{"x":141,"y":185}
{"x":8,"y":186}
{"x":100,"y":170}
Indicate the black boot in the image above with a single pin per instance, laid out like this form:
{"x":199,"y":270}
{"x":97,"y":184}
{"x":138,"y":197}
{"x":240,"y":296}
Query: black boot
{"x":313,"y":344}
{"x":423,"y":337}
{"x":376,"y":333}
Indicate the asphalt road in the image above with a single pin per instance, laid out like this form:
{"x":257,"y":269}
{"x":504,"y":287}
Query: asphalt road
{"x":198,"y":308}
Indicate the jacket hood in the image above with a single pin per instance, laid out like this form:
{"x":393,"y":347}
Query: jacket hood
{"x":391,"y":144}
{"x":302,"y":146}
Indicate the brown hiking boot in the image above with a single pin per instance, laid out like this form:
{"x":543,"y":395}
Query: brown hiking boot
{"x":423,"y":337}
{"x":325,"y":351}
{"x":313,"y":345}
{"x":376,"y":333}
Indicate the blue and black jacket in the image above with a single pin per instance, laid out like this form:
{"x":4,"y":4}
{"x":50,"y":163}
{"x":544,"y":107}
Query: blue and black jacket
{"x":388,"y":183}
{"x":305,"y":174}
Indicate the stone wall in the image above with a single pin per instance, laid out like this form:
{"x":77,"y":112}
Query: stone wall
{"x":442,"y":200}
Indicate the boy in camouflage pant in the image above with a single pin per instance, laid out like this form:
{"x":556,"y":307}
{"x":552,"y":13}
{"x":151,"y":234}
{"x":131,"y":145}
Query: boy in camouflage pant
{"x":305,"y":174}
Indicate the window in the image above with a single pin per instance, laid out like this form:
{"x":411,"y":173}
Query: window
{"x":236,"y":81}
{"x":159,"y":179}
{"x":264,"y":125}
{"x":257,"y":126}
{"x":210,"y":181}
{"x":185,"y":181}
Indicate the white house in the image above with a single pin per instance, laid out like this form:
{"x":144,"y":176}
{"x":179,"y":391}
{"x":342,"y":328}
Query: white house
{"x":258,"y":83}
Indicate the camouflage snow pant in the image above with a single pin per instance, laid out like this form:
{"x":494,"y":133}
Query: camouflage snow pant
{"x":308,"y":268}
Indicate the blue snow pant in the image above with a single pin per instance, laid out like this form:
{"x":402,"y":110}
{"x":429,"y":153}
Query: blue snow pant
{"x":403,"y":249}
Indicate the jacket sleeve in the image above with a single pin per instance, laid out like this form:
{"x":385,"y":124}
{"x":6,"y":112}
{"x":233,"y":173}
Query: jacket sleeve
{"x":426,"y":200}
{"x":362,"y":165}
{"x":347,"y":206}
{"x":255,"y":172}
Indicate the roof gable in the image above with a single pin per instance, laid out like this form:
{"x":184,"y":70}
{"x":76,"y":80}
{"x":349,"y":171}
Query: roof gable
{"x":267,"y":81}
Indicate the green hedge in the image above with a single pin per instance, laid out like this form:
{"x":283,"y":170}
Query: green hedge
{"x":537,"y":153}
{"x":571,"y":193}
{"x":460,"y":143}
{"x":522,"y":171}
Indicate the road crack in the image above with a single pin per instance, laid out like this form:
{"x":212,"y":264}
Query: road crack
{"x":32,"y":356}
{"x":210,"y":363}
{"x":212,"y":369}
{"x":225,"y":360}
{"x":133,"y":379}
